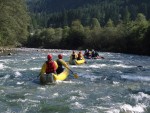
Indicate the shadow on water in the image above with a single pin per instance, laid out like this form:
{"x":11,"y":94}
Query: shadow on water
{"x":136,"y":91}
{"x":36,"y":81}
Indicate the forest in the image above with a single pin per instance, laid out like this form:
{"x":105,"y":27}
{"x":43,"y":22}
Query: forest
{"x":103,"y":25}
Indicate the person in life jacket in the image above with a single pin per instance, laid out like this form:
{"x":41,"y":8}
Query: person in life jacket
{"x":87,"y":54}
{"x":93,"y":53}
{"x":49,"y":66}
{"x":80,"y":56}
{"x":73,"y":56}
{"x":97,"y":55}
{"x":61,"y":64}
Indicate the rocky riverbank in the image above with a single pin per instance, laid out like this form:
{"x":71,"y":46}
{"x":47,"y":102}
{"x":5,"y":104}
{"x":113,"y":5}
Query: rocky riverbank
{"x":10,"y":51}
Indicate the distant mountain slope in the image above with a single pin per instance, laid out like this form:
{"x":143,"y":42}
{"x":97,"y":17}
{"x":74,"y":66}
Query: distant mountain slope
{"x":58,"y":5}
{"x":62,"y":12}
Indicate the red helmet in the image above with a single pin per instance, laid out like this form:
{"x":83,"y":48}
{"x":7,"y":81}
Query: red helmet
{"x":60,"y":56}
{"x":49,"y":57}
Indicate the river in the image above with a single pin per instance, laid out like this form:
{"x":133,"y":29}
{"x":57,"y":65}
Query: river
{"x":120,"y":83}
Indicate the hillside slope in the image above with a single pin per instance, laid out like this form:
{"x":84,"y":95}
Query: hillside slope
{"x":55,"y":13}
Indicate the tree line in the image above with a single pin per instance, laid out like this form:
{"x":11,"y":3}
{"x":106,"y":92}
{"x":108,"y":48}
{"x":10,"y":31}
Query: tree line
{"x":59,"y":13}
{"x":126,"y":36}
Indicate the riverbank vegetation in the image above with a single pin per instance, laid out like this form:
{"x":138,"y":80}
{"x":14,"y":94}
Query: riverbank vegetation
{"x":128,"y":37}
{"x":104,"y":25}
{"x":14,"y":22}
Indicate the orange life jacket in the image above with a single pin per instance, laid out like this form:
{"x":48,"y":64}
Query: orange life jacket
{"x":50,"y":67}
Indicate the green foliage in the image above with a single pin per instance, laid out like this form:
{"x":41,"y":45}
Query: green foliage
{"x":59,"y":13}
{"x":129,"y":37}
{"x":110,"y":23}
{"x":75,"y":40}
{"x":95,"y":24}
{"x":77,"y":26}
{"x":146,"y":42}
{"x":14,"y":22}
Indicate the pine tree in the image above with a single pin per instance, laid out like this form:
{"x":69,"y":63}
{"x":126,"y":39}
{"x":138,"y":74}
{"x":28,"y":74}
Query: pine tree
{"x":14,"y":22}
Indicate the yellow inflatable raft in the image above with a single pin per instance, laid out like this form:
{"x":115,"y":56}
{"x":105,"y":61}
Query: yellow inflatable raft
{"x":51,"y":78}
{"x":77,"y":62}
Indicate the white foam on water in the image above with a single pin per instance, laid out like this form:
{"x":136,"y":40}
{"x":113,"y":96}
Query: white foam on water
{"x":27,"y":94}
{"x":102,"y":65}
{"x":67,"y":82}
{"x":2,"y":66}
{"x":76,"y":66}
{"x":116,"y":83}
{"x":73,"y":98}
{"x":2,"y":91}
{"x":119,"y":61}
{"x":19,"y":69}
{"x":35,"y":68}
{"x":100,"y":107}
{"x":89,"y":76}
{"x":7,"y":60}
{"x":19,"y":83}
{"x":88,"y":70}
{"x":113,"y":111}
{"x":41,"y":88}
{"x":123,"y":66}
{"x":141,"y":96}
{"x":106,"y":98}
{"x":34,"y":58}
{"x":6,"y":77}
{"x":42,"y":97}
{"x":75,"y":81}
{"x":119,"y":72}
{"x":94,"y":66}
{"x":139,"y":108}
{"x":65,"y":54}
{"x":136,"y":77}
{"x":77,"y":105}
{"x":42,"y":57}
{"x":90,"y":66}
{"x":97,"y":65}
{"x":24,"y":100}
{"x":93,"y":78}
{"x":18,"y":74}
{"x":92,"y":109}
{"x":55,"y":95}
{"x":80,"y":96}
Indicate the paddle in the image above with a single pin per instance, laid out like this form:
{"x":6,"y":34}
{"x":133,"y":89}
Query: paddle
{"x":75,"y":75}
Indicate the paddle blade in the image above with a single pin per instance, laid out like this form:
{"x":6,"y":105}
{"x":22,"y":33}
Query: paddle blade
{"x":76,"y":76}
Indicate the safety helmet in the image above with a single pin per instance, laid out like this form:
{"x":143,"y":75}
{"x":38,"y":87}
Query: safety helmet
{"x":60,"y":56}
{"x":49,"y":57}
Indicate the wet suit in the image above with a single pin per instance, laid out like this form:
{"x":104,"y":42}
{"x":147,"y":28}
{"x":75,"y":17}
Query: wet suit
{"x":61,"y":63}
